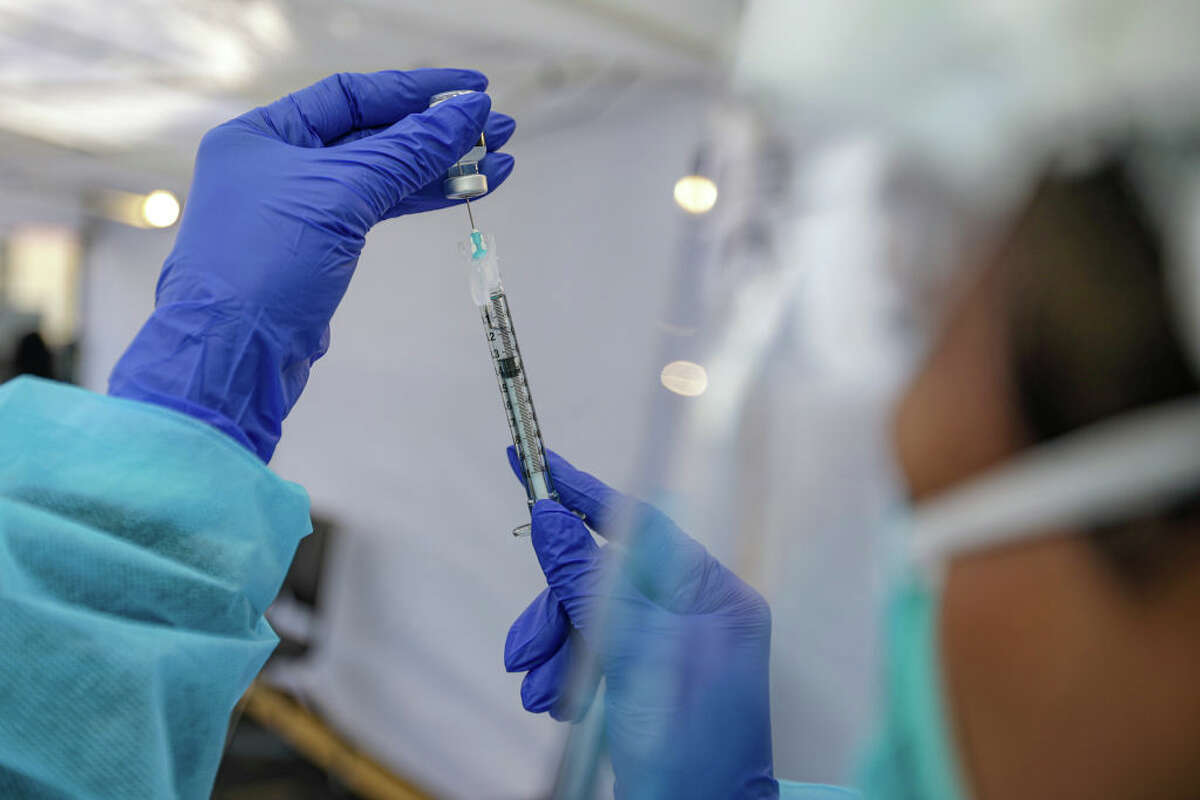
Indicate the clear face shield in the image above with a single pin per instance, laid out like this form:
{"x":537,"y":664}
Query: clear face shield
{"x":813,"y":265}
{"x":800,"y":303}
{"x":779,"y":466}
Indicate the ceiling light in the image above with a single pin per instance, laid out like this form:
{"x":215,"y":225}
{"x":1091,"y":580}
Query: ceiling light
{"x":160,"y":209}
{"x":685,"y":378}
{"x":695,"y":194}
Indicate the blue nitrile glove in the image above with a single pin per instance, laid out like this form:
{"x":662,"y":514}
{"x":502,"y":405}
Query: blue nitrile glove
{"x":683,"y":649}
{"x":281,"y":201}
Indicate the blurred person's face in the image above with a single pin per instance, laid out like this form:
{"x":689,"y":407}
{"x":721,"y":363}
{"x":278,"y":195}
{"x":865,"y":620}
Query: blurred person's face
{"x":1062,"y":680}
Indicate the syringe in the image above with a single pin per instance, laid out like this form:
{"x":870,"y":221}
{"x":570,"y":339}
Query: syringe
{"x":488,"y":293}
{"x":465,"y":180}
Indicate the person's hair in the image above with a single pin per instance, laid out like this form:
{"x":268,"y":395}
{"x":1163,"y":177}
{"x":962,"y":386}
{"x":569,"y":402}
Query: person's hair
{"x":1092,"y":333}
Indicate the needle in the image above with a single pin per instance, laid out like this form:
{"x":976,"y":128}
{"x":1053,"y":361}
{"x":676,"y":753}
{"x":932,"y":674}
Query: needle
{"x":470,"y":216}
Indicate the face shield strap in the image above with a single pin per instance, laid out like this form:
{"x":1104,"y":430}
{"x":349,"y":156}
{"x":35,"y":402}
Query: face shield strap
{"x":1106,"y":473}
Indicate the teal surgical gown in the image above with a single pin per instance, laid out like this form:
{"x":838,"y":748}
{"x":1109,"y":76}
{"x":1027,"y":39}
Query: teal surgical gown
{"x":138,"y":550}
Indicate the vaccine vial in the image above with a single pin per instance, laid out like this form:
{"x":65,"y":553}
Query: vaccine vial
{"x":463,"y":179}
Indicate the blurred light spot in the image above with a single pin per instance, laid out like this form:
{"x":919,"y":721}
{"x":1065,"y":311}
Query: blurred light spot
{"x":160,"y":209}
{"x":685,"y":378}
{"x":267,"y":23}
{"x":230,"y":60}
{"x":695,"y":194}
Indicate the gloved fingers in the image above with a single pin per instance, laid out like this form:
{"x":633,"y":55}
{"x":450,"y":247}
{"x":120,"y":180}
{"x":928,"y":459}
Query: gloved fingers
{"x":355,"y":135}
{"x":497,"y":167}
{"x":671,"y":568}
{"x":553,"y":686}
{"x":569,"y":558}
{"x":665,"y":564}
{"x":341,"y":103}
{"x":417,"y":149}
{"x":496,"y":132}
{"x":578,"y":491}
{"x":537,"y":633}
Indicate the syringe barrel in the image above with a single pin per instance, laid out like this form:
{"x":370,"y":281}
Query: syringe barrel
{"x":517,"y":400}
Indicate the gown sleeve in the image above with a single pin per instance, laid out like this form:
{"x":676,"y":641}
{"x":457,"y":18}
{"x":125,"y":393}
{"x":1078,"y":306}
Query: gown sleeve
{"x":138,"y":550}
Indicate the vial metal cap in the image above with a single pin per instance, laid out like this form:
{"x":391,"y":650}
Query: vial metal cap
{"x":464,"y":187}
{"x":463,"y":180}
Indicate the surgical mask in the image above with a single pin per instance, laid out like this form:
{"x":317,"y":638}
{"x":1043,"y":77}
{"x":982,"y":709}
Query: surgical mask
{"x":1106,"y":473}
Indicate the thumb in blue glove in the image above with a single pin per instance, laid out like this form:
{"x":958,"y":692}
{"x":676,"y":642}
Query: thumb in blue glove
{"x":682,"y":643}
{"x":281,"y":202}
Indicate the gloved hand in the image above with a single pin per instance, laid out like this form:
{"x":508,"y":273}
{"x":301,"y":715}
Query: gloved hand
{"x":682,"y":644}
{"x":281,"y":201}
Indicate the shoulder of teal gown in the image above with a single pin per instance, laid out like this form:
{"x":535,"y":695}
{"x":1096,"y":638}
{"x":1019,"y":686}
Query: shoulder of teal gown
{"x":138,"y":550}
{"x":789,"y":790}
